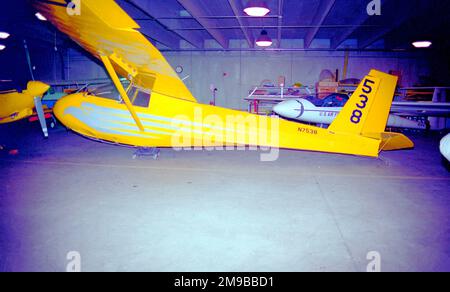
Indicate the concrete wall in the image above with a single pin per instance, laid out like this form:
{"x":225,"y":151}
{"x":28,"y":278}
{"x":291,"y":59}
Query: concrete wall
{"x":82,"y":67}
{"x":46,"y":62}
{"x":235,"y":73}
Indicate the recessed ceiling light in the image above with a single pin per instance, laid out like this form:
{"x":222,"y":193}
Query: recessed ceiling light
{"x":2,"y":47}
{"x":264,"y":40}
{"x":422,"y":44}
{"x":4,"y":35}
{"x":257,"y":8}
{"x":40,"y":16}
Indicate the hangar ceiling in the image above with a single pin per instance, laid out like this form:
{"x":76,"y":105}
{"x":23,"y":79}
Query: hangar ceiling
{"x":292,"y":24}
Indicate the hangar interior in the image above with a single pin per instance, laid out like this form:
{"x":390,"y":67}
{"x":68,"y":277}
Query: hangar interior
{"x":218,"y":210}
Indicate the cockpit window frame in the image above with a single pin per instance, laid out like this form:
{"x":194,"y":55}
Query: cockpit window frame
{"x":133,"y":91}
{"x":139,"y":90}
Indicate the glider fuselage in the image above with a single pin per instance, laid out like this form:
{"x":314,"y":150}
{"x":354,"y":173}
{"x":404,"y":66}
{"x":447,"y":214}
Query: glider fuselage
{"x":171,"y":122}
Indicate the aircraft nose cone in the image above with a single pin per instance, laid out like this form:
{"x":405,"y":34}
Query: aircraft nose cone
{"x":59,"y":107}
{"x":289,"y":109}
{"x":63,"y":103}
{"x":445,"y":147}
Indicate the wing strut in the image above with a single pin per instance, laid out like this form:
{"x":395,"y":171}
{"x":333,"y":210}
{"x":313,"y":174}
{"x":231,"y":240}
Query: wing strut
{"x":121,"y":90}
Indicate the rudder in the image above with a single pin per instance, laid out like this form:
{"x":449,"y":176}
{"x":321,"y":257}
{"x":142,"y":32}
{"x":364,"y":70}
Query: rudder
{"x":367,"y":111}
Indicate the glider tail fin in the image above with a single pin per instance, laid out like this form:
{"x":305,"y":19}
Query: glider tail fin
{"x":367,"y":112}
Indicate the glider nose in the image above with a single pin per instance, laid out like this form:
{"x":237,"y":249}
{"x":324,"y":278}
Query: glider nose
{"x":291,"y":109}
{"x":445,"y":147}
{"x":59,"y":107}
{"x":62,"y":104}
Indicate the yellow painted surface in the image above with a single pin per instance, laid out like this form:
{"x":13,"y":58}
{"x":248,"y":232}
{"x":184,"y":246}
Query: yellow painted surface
{"x":207,"y":126}
{"x":15,"y":106}
{"x":174,"y":118}
{"x":103,"y":28}
{"x":121,"y":90}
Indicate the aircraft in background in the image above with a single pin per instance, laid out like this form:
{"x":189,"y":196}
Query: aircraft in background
{"x":15,"y":105}
{"x":445,"y":147}
{"x":305,"y":111}
{"x":155,"y":108}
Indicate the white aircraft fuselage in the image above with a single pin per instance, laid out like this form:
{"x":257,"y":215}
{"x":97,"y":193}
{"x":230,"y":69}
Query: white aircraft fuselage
{"x":305,"y":111}
{"x":445,"y":147}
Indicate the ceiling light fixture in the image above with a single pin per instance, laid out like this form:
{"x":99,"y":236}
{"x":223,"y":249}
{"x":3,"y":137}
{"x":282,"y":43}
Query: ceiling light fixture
{"x":257,"y":8}
{"x":264,"y":40}
{"x":2,"y":47}
{"x":4,"y":35}
{"x":422,"y":44}
{"x":40,"y":16}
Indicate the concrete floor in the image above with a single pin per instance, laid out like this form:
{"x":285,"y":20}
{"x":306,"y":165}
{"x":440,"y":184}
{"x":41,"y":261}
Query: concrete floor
{"x":219,"y":211}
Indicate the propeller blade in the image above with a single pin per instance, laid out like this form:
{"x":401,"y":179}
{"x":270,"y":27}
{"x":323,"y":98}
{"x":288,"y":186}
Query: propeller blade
{"x":41,"y":115}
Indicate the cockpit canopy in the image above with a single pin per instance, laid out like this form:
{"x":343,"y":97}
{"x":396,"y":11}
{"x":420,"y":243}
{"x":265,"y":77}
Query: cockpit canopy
{"x":138,"y":96}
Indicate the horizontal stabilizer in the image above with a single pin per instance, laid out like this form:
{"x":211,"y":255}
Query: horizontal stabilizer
{"x":392,"y":141}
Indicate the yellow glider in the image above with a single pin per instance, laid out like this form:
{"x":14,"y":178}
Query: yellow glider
{"x":15,"y":106}
{"x":155,"y":109}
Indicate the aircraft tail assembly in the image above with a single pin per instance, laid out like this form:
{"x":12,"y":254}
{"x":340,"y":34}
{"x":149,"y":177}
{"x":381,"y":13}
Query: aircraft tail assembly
{"x":367,"y":112}
{"x":158,"y":110}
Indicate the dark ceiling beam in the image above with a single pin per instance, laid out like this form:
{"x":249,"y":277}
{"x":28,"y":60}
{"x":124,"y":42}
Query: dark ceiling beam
{"x":269,"y":27}
{"x":400,"y":16}
{"x":280,"y":21}
{"x":422,"y":28}
{"x":154,"y":8}
{"x":159,"y":34}
{"x":214,"y":17}
{"x":39,"y":32}
{"x":197,"y":10}
{"x":238,"y":9}
{"x":372,"y":38}
{"x":151,"y":29}
{"x":325,"y":7}
{"x":337,"y":40}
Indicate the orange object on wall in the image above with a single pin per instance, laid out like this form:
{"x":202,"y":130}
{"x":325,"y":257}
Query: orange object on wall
{"x":324,"y":89}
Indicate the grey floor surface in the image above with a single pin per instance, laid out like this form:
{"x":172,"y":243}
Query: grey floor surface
{"x":221,"y":211}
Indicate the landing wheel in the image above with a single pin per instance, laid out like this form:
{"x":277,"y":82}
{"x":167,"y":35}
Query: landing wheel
{"x":53,"y":123}
{"x":151,"y":152}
